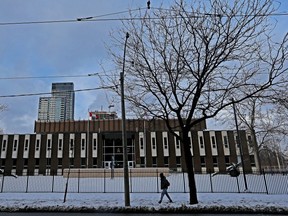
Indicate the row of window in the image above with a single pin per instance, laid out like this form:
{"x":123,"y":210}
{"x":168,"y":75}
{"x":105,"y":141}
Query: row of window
{"x":48,"y":145}
{"x":48,"y":162}
{"x":141,"y":143}
{"x":165,"y":140}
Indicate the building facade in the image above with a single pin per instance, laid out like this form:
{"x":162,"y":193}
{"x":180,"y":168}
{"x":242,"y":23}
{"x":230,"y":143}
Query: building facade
{"x":59,"y":145}
{"x":60,"y":106}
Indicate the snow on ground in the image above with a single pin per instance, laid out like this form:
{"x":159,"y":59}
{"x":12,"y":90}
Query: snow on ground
{"x":145,"y":202}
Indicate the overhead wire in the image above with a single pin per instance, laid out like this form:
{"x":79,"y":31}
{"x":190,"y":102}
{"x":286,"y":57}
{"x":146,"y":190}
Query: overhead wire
{"x":222,"y":15}
{"x":80,"y":19}
{"x":49,"y":93}
{"x":41,"y":77}
{"x":95,"y":18}
{"x":60,"y":76}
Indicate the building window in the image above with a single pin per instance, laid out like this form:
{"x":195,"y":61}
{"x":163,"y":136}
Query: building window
{"x":142,"y":159}
{"x":15,"y":145}
{"x":94,"y":162}
{"x":14,"y":163}
{"x":225,"y":142}
{"x":3,"y":163}
{"x":177,"y":143}
{"x":215,"y":161}
{"x":71,"y":162}
{"x":26,"y":145}
{"x":154,"y":161}
{"x":48,"y":144}
{"x":48,"y":161}
{"x":59,"y":162}
{"x":166,"y":161}
{"x":227,"y":160}
{"x":178,"y":161}
{"x":165,"y":143}
{"x":4,"y":145}
{"x":213,"y":142}
{"x":60,"y":145}
{"x":25,"y":163}
{"x":201,"y":142}
{"x":37,"y":162}
{"x":37,"y":145}
{"x":203,"y":163}
{"x":153,"y":143}
{"x":83,"y":162}
{"x":83,"y":144}
{"x":252,"y":160}
{"x":94,"y":144}
{"x":71,"y":144}
{"x":141,"y":143}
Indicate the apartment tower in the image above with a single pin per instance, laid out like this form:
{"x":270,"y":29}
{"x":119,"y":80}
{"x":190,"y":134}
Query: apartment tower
{"x":60,"y":106}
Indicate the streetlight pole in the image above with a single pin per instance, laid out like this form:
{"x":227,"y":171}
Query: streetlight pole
{"x":240,"y":145}
{"x":124,"y":135}
{"x":87,"y":141}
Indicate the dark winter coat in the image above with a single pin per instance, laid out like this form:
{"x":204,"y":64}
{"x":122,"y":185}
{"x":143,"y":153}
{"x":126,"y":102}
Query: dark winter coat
{"x":164,"y":183}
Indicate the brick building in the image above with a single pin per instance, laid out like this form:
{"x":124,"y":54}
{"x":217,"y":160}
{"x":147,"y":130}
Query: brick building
{"x":59,"y":145}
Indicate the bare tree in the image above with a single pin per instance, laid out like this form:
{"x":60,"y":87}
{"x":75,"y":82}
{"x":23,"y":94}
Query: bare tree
{"x":189,"y":61}
{"x":267,"y":123}
{"x":249,"y":112}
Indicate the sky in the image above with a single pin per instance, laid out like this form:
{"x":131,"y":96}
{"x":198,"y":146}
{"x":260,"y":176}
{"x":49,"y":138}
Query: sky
{"x":70,"y":49}
{"x":209,"y":202}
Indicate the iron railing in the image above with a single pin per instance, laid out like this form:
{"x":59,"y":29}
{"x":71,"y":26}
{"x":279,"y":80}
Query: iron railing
{"x":111,"y":181}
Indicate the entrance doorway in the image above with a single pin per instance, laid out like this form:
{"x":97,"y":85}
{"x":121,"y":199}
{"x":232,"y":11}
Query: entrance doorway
{"x":113,"y":151}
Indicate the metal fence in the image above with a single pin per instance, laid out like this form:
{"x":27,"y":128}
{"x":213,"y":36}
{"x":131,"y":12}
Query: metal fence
{"x":107,"y":181}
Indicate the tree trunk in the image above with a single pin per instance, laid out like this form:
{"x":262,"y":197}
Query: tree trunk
{"x":256,"y":152}
{"x":189,"y":167}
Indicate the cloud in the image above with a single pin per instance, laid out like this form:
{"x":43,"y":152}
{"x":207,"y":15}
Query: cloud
{"x":55,"y":49}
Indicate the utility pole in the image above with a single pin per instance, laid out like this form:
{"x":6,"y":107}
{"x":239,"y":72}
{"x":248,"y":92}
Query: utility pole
{"x":124,"y":135}
{"x":87,"y":140}
{"x":240,"y":145}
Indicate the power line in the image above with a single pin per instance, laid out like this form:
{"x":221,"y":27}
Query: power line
{"x":95,"y":18}
{"x":221,"y":15}
{"x":48,"y":93}
{"x":41,"y":77}
{"x":70,"y":21}
{"x":109,"y":14}
{"x":81,"y":19}
{"x":58,"y":76}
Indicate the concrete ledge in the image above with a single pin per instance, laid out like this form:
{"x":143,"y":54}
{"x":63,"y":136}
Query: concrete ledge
{"x":117,"y":172}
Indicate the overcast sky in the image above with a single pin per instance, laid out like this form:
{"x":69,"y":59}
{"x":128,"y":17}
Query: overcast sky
{"x":59,"y":49}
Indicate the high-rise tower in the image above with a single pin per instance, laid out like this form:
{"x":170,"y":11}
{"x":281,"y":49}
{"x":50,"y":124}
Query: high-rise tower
{"x":60,"y":106}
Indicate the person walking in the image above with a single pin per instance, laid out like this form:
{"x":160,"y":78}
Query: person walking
{"x":164,"y":187}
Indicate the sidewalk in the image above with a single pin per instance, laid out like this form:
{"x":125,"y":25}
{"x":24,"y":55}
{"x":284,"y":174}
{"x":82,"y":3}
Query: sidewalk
{"x":145,"y":202}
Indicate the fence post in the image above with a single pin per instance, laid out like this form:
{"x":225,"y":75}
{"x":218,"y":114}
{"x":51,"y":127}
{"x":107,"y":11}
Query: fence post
{"x":53,"y":176}
{"x":104,"y":181}
{"x":27,"y":182}
{"x":78,"y":180}
{"x":265,"y":181}
{"x":130,"y":176}
{"x":211,"y":184}
{"x":2,"y":183}
{"x":157,"y":180}
{"x":184,"y":183}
